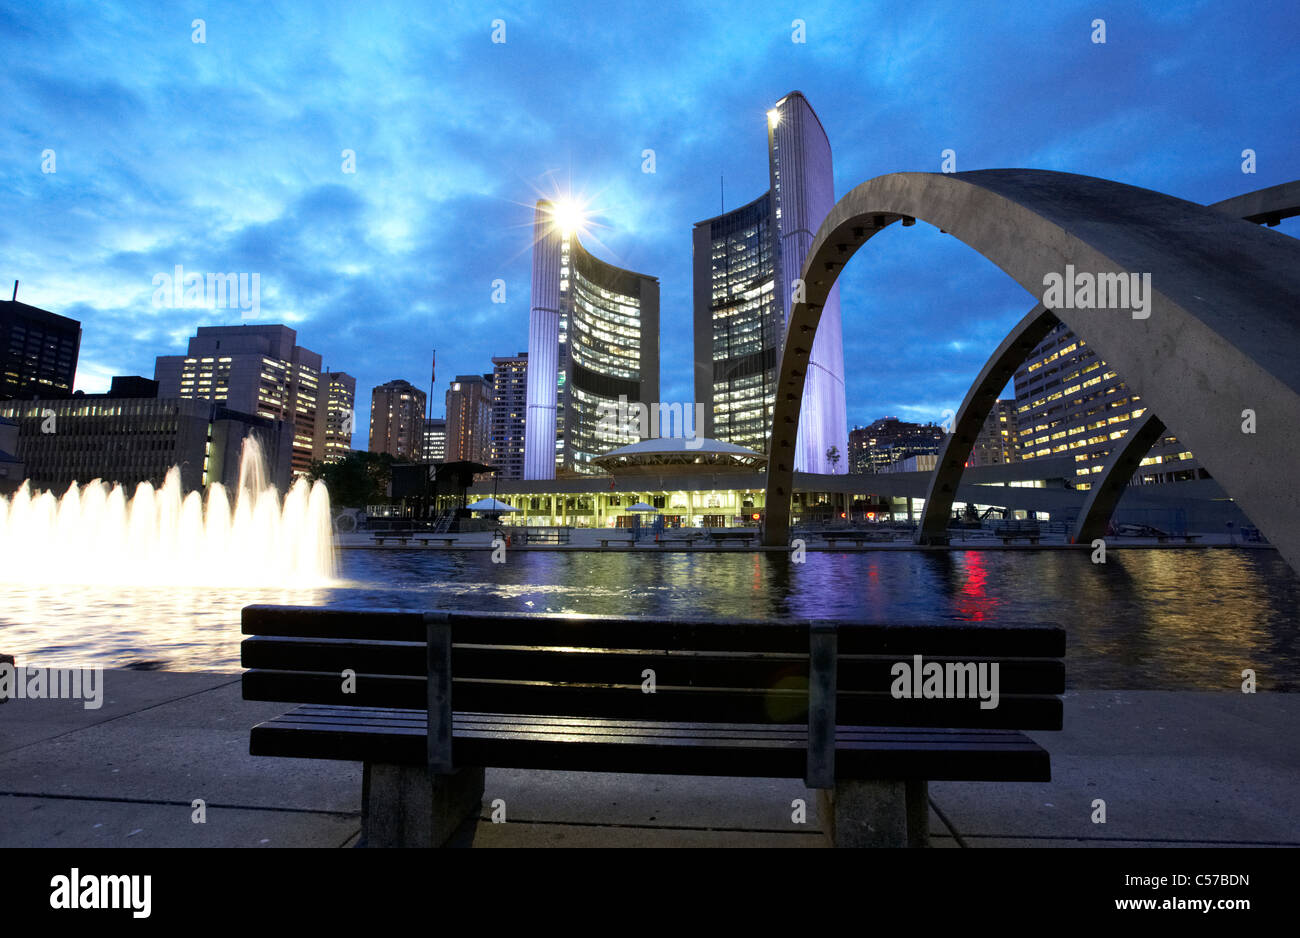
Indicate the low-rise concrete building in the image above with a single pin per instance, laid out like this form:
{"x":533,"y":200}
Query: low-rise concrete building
{"x":129,"y":440}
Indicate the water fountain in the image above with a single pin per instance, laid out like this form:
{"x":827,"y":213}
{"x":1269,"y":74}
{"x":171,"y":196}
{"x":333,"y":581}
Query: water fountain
{"x":95,"y":535}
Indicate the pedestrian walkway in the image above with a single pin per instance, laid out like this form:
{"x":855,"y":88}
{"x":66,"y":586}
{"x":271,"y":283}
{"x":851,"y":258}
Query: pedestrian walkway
{"x":1173,"y":768}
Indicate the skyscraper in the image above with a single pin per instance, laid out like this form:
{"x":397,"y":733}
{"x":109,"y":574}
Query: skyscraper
{"x":254,"y":370}
{"x":397,"y":420}
{"x":38,"y":352}
{"x":746,"y":266}
{"x":335,"y":416}
{"x":509,"y":404}
{"x":593,"y":338}
{"x":469,"y":419}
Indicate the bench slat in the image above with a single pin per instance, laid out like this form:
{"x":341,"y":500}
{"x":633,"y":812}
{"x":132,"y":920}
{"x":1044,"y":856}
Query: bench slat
{"x":889,"y":754}
{"x":955,"y":638}
{"x":326,"y":715}
{"x":669,"y":703}
{"x":1015,"y":675}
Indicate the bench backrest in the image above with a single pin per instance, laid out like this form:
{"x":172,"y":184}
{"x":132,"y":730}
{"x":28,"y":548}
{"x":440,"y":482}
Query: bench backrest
{"x":702,"y":671}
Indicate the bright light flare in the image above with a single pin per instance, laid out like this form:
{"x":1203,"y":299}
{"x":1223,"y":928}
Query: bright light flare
{"x":569,"y":216}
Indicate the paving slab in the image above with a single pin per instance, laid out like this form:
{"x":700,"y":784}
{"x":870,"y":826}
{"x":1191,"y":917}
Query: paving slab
{"x":194,"y":746}
{"x":604,"y":798}
{"x":1169,"y":765}
{"x":25,"y":721}
{"x":519,"y":834}
{"x":659,"y":800}
{"x":66,"y":822}
{"x":1107,"y":842}
{"x":1173,"y":767}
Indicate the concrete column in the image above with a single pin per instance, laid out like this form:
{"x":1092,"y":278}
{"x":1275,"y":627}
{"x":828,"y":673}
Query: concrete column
{"x":408,"y":806}
{"x":875,"y":813}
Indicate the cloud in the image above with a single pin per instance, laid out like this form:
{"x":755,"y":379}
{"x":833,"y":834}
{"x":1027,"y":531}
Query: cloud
{"x":228,"y":156}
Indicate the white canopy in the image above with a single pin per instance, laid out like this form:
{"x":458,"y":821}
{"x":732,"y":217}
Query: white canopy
{"x":490,"y":504}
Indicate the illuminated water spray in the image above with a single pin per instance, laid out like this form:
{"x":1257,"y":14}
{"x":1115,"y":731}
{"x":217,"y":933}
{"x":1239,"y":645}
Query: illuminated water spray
{"x":159,"y":537}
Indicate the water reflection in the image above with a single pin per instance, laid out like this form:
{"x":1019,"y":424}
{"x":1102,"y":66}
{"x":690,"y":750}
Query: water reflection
{"x":1145,"y":619}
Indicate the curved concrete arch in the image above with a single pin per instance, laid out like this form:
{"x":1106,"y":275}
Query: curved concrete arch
{"x":1108,"y":489}
{"x":974,"y":410}
{"x":1260,"y":206}
{"x":1220,"y":336}
{"x":1264,"y":206}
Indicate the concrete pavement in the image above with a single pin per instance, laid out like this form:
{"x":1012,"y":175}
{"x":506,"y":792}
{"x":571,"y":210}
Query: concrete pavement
{"x":1173,"y":768}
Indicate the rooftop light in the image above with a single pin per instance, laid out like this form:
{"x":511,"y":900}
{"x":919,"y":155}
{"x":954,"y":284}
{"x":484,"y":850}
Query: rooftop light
{"x":569,"y":216}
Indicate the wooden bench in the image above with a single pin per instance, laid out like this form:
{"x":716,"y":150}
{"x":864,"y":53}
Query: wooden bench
{"x":688,"y":541}
{"x":626,"y":541}
{"x":721,"y":537}
{"x":857,"y":537}
{"x":1185,"y":538}
{"x":446,"y":541}
{"x":400,"y":538}
{"x":1017,"y":530}
{"x":546,"y":535}
{"x":438,"y":696}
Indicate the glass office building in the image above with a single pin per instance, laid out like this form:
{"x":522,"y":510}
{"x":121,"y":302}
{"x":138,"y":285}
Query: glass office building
{"x":746,"y":266}
{"x":593,"y":340}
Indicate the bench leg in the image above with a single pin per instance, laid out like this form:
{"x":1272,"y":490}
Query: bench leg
{"x":407,"y":806}
{"x":876,"y":813}
{"x":918,"y":813}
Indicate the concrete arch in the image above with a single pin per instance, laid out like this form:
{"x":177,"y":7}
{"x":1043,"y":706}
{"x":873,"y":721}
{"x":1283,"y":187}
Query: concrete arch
{"x":1264,"y":206}
{"x":1261,"y":206}
{"x":1118,"y":468}
{"x":1222,"y":333}
{"x":974,"y":410}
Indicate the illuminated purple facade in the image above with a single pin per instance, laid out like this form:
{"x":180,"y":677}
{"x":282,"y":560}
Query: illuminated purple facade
{"x":746,"y":263}
{"x":543,"y":348}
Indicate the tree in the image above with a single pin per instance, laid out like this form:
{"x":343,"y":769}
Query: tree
{"x":833,"y":454}
{"x":360,"y":479}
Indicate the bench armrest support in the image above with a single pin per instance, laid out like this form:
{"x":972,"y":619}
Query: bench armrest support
{"x":823,"y":646}
{"x":439,"y":686}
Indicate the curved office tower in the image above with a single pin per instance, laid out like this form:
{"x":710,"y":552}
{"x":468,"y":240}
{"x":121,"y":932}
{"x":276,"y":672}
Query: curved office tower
{"x":593,"y":340}
{"x":746,"y":264}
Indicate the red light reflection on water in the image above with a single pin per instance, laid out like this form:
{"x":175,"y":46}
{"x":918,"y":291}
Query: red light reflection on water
{"x":973,"y":600}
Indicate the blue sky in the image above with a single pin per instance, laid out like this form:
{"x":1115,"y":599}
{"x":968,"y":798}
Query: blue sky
{"x":226,"y":156}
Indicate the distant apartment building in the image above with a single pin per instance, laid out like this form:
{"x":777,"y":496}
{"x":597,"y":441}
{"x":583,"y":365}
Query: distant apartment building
{"x":593,"y":339}
{"x":250,"y":369}
{"x":12,"y":471}
{"x":746,"y":264}
{"x":469,"y":419}
{"x":335,"y":416}
{"x":874,"y":447}
{"x":920,"y":462}
{"x":397,"y":420}
{"x":128,"y":439}
{"x":435,"y":440}
{"x":38,"y":352}
{"x":1070,"y":402}
{"x":509,"y":404}
{"x":998,"y":440}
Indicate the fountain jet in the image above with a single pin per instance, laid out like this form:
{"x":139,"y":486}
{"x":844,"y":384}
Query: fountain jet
{"x":162,"y":537}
